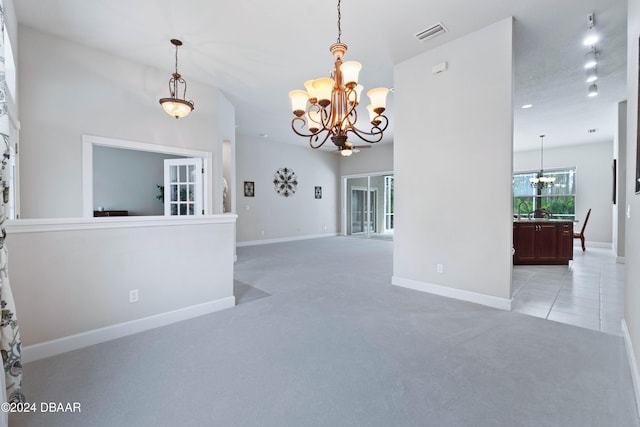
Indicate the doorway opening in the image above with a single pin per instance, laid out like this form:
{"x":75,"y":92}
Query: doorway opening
{"x":190,"y":195}
{"x":368,"y":206}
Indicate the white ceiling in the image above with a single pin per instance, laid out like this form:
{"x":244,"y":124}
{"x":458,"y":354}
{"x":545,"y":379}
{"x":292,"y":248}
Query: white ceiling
{"x":256,"y":52}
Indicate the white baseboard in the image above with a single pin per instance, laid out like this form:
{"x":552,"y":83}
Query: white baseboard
{"x":633,"y":367}
{"x":590,"y":244}
{"x":620,"y":260}
{"x":284,"y":239}
{"x":96,"y":336}
{"x":488,"y":300}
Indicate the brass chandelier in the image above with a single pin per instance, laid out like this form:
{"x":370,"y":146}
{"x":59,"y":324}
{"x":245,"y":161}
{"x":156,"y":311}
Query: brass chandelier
{"x":174,"y":106}
{"x":328,"y":106}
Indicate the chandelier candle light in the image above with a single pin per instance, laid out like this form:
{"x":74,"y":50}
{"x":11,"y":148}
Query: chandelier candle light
{"x":542,"y":181}
{"x":174,"y":106}
{"x":328,"y":106}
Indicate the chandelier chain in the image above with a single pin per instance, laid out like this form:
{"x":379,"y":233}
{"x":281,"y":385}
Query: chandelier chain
{"x":339,"y":18}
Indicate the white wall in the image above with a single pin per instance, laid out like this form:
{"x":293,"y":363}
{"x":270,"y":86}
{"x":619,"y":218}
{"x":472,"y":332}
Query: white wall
{"x":451,"y":129}
{"x":71,"y":282}
{"x":620,"y":153}
{"x":594,"y":181}
{"x":68,"y":89}
{"x":632,"y":248}
{"x":271,"y":216}
{"x":128,"y":180}
{"x":378,"y":158}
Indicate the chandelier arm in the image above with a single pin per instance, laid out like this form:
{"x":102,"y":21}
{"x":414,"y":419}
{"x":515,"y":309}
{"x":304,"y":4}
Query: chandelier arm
{"x":300,"y":119}
{"x":326,"y":118}
{"x":364,"y":136}
{"x":184,"y":93}
{"x":172,"y":87}
{"x":316,"y":137}
{"x":376,"y":130}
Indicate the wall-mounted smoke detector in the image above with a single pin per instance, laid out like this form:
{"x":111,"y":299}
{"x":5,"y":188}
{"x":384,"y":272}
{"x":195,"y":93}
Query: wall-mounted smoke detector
{"x":431,"y":32}
{"x":594,"y":130}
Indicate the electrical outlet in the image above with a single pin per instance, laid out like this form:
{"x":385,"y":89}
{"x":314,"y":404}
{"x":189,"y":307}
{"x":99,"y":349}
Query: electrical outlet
{"x":133,"y":296}
{"x":439,"y":268}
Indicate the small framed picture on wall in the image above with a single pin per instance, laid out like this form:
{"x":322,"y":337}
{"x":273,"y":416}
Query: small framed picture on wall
{"x":249,"y":189}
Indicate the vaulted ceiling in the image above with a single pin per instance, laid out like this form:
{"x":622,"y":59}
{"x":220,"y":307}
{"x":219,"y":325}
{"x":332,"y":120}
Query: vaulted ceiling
{"x":256,"y":52}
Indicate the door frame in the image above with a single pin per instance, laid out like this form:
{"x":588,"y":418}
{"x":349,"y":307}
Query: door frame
{"x":198,"y":184}
{"x":344,"y":209}
{"x":89,"y":141}
{"x":368,"y":192}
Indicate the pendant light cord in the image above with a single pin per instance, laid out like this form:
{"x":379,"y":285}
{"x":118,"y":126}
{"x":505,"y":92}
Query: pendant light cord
{"x":176,"y":59}
{"x":541,"y":153}
{"x":339,"y":18}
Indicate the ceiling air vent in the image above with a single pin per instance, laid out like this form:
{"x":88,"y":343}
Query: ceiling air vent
{"x":430,"y":32}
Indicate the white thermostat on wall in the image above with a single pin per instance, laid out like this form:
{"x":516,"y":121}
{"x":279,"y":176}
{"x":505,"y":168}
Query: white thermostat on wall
{"x":439,"y":68}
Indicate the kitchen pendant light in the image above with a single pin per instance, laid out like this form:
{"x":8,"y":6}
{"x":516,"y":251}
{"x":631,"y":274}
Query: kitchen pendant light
{"x":175,"y":106}
{"x":540,"y":181}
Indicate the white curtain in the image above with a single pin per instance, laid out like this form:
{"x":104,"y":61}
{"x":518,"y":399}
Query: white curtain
{"x":10,"y":343}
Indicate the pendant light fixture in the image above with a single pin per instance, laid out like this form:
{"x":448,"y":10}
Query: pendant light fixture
{"x":541,"y":181}
{"x":175,"y":106}
{"x":328,"y":107}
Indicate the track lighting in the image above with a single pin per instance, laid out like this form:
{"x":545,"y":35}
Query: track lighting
{"x":591,"y":37}
{"x":593,"y":90}
{"x":590,"y":58}
{"x":592,"y":75}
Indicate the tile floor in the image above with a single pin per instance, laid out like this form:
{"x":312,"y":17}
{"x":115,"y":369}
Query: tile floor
{"x":588,"y":293}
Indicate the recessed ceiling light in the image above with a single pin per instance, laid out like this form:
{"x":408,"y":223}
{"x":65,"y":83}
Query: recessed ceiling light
{"x":525,"y":106}
{"x":264,"y":135}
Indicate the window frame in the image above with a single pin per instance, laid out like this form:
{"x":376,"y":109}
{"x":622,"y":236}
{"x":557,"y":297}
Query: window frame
{"x":538,"y":196}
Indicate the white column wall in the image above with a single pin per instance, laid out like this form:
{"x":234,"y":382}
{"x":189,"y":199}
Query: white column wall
{"x":73,"y":277}
{"x":453,"y":166}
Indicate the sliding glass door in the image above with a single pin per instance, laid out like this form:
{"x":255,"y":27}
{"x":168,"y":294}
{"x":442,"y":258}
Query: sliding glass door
{"x":368,"y":206}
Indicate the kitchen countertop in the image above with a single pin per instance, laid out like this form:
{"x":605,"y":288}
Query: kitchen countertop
{"x":542,"y":220}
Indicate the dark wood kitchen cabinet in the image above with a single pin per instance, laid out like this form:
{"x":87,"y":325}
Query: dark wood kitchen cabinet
{"x":542,"y":242}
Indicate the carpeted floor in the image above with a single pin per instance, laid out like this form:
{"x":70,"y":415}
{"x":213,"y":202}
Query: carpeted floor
{"x":329,"y":342}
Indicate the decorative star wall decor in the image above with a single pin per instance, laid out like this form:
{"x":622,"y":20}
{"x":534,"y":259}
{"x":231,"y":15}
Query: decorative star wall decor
{"x":285,"y":182}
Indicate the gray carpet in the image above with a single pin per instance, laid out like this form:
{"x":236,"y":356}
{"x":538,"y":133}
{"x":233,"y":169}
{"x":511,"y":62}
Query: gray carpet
{"x":336,"y":345}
